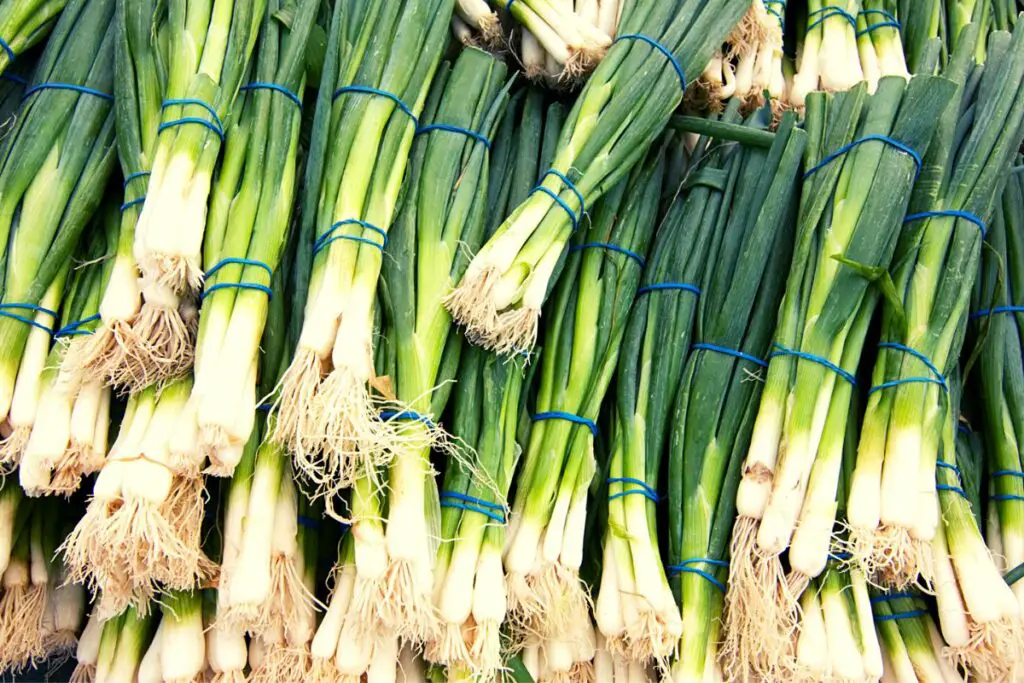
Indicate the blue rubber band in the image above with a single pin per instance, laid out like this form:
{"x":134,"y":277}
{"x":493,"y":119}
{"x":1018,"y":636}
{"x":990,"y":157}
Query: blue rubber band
{"x":1008,"y":473}
{"x":662,"y":286}
{"x":967,"y":216}
{"x":828,"y":12}
{"x":5,"y":312}
{"x":561,"y":202}
{"x":75,"y":328}
{"x":729,"y":352}
{"x":901,"y":615}
{"x":406,"y":415}
{"x":8,"y":49}
{"x":451,"y":499}
{"x":956,"y":472}
{"x":367,"y":90}
{"x":937,"y":379}
{"x":14,"y":78}
{"x":997,"y":309}
{"x":569,"y":184}
{"x":134,"y":202}
{"x":840,"y":557}
{"x":962,"y":428}
{"x":906,"y":149}
{"x":952,"y":489}
{"x":135,"y":176}
{"x":308,"y":522}
{"x":508,"y":5}
{"x":264,"y":85}
{"x":611,"y":247}
{"x":686,"y":567}
{"x":948,"y":466}
{"x":662,"y":49}
{"x":568,"y":417}
{"x":825,"y":362}
{"x":238,"y":285}
{"x":84,"y":89}
{"x":329,"y":236}
{"x":1014,"y":575}
{"x":265,"y":407}
{"x":217,"y":126}
{"x":573,"y":216}
{"x":479,"y":137}
{"x":1006,"y":497}
{"x":771,"y":10}
{"x":642,"y":490}
{"x":894,"y":596}
{"x":889,"y":20}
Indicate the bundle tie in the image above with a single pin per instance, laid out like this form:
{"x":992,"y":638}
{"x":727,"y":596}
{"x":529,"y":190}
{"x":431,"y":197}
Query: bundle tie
{"x":840,"y":557}
{"x":966,"y":215}
{"x":308,"y":522}
{"x":447,"y":127}
{"x":898,"y":615}
{"x":775,"y":13}
{"x":217,"y":126}
{"x":558,"y":200}
{"x":134,"y":202}
{"x":964,"y":429}
{"x":568,"y":417}
{"x":329,"y":236}
{"x":1014,"y":575}
{"x":686,"y":567}
{"x":452,"y":499}
{"x":828,"y":12}
{"x":367,"y":90}
{"x":998,"y":309}
{"x":238,"y":285}
{"x":265,"y":407}
{"x":8,"y":49}
{"x":75,"y":328}
{"x":825,"y":362}
{"x":643,"y":489}
{"x":906,"y":149}
{"x":264,"y":85}
{"x":888,"y":20}
{"x":5,"y":313}
{"x":14,"y":78}
{"x":725,"y":350}
{"x":1006,"y":497}
{"x":937,"y":379}
{"x":662,"y":49}
{"x":1008,"y":473}
{"x":958,"y":488}
{"x":406,"y":415}
{"x":84,"y":89}
{"x":135,"y":176}
{"x":611,"y":247}
{"x":662,"y":286}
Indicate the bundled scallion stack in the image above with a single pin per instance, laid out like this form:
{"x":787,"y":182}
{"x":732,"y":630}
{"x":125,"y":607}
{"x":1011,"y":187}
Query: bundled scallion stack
{"x":24,"y":24}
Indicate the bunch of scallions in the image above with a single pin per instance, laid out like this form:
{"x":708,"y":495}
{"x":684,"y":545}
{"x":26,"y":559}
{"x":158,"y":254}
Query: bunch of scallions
{"x":751,"y":65}
{"x":54,"y":171}
{"x":380,"y":59}
{"x":861,"y":163}
{"x":24,"y":24}
{"x":208,"y":50}
{"x":716,"y":400}
{"x":625,"y":105}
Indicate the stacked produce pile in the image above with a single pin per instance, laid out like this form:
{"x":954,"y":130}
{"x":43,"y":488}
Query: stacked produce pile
{"x":331,"y":348}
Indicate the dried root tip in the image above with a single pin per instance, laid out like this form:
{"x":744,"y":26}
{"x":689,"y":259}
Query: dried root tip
{"x":83,"y":673}
{"x":234,"y":677}
{"x":525,"y":609}
{"x":517,"y":332}
{"x":58,"y":649}
{"x":282,"y":663}
{"x":490,"y":31}
{"x":485,"y":653}
{"x":13,"y":448}
{"x":890,"y":557}
{"x":406,"y":606}
{"x":995,"y":651}
{"x":166,"y":346}
{"x":471,"y":306}
{"x":451,"y":647}
{"x":565,"y":599}
{"x":177,"y":273}
{"x":77,"y":461}
{"x":288,"y":596}
{"x":294,"y":427}
{"x":323,"y":671}
{"x":648,"y":637}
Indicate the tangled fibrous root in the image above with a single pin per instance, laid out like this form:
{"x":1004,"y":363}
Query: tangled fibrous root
{"x":296,"y":393}
{"x":323,"y":671}
{"x":12,"y":448}
{"x":174,"y":272}
{"x":995,"y":651}
{"x":648,"y":637}
{"x":490,"y":32}
{"x":761,"y":611}
{"x":83,"y":673}
{"x":282,"y":663}
{"x":485,"y":651}
{"x":407,"y":608}
{"x":235,"y":676}
{"x":165,"y":341}
{"x":288,"y":596}
{"x":472,"y":307}
{"x":77,"y":461}
{"x":524,"y":611}
{"x":21,"y":619}
{"x":452,"y":646}
{"x":58,"y":649}
{"x":891,"y":558}
{"x":553,"y":603}
{"x":517,"y":332}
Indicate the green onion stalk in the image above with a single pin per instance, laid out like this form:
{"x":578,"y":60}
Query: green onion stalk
{"x":63,"y":616}
{"x":613,"y":667}
{"x":958,"y":14}
{"x":112,"y":354}
{"x":87,"y":650}
{"x":635,"y":611}
{"x":53,"y":175}
{"x":469,"y":586}
{"x":756,"y":47}
{"x":589,"y":318}
{"x":208,"y":47}
{"x":24,"y":24}
{"x":180,"y":647}
{"x":892,"y":508}
{"x":1004,"y":14}
{"x":246,"y":231}
{"x":380,"y":60}
{"x":477,"y":16}
{"x":69,"y":432}
{"x":124,"y":641}
{"x":625,"y":105}
{"x":828,"y":58}
{"x":441,"y":221}
{"x":878,"y":42}
{"x":716,"y":401}
{"x":853,"y":199}
{"x":912,"y":647}
{"x":921,"y":21}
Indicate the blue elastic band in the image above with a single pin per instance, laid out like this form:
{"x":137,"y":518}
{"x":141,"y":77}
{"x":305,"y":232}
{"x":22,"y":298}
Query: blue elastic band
{"x":686,"y":568}
{"x":660,"y":48}
{"x":263,"y":85}
{"x":561,"y":202}
{"x":7,"y":48}
{"x":729,"y":352}
{"x":783,"y":351}
{"x":508,"y":5}
{"x":568,"y":417}
{"x":135,"y":176}
{"x":661,"y":286}
{"x":901,"y":615}
{"x":451,"y":499}
{"x":265,"y":407}
{"x":956,"y":472}
{"x":1014,"y":575}
{"x":75,"y":328}
{"x":1008,"y":473}
{"x":962,"y":428}
{"x":217,"y":126}
{"x":828,"y":12}
{"x":889,"y":20}
{"x":1006,"y":497}
{"x":14,"y":78}
{"x":367,"y":90}
{"x":406,"y":415}
{"x":238,"y":285}
{"x":85,"y":90}
{"x":997,"y":309}
{"x":643,"y":490}
{"x":937,"y":379}
{"x":5,"y":313}
{"x":840,"y":557}
{"x":909,"y":151}
{"x":479,"y":137}
{"x":329,"y":236}
{"x":954,"y":214}
{"x":611,"y":247}
{"x":134,"y":202}
{"x":308,"y":522}
{"x":894,"y":596}
{"x":771,"y":10}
